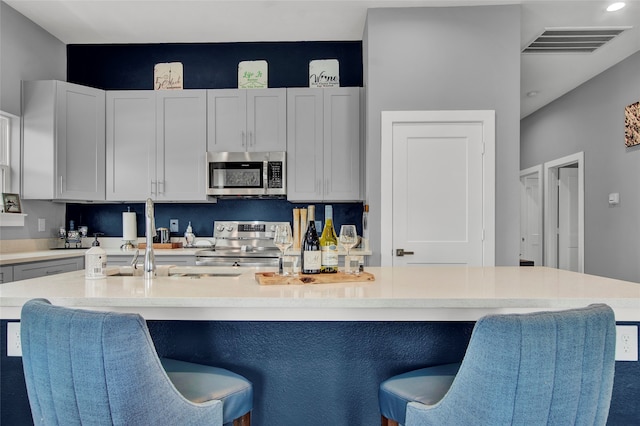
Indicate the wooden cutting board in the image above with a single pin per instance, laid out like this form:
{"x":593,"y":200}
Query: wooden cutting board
{"x":161,"y":245}
{"x":271,"y":278}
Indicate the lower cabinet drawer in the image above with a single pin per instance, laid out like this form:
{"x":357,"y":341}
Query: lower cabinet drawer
{"x":25,"y":271}
{"x":6,"y":274}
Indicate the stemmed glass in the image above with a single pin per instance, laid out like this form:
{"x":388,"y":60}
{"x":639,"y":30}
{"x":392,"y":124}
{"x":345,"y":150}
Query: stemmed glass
{"x":348,"y":238}
{"x":283,"y":239}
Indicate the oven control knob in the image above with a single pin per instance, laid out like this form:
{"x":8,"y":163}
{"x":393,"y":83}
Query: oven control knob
{"x":220,"y":228}
{"x":229,"y":228}
{"x":272,"y":228}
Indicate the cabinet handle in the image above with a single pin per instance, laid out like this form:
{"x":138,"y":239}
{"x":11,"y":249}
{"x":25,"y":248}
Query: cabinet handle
{"x":61,"y":187}
{"x":59,"y":271}
{"x":251,"y":142}
{"x":243,"y":138}
{"x":326,"y":186}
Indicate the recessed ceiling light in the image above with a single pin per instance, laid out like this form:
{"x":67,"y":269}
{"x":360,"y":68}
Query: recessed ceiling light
{"x":615,"y":6}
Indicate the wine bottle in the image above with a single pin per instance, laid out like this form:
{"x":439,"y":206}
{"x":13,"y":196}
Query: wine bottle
{"x":329,"y":243}
{"x":311,"y":254}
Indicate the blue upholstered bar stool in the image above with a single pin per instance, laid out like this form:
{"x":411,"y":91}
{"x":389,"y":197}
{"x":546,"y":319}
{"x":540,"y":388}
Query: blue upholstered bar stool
{"x":546,"y":368}
{"x":101,"y":368}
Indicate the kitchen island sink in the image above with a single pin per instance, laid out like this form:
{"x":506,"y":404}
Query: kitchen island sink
{"x":175,"y":271}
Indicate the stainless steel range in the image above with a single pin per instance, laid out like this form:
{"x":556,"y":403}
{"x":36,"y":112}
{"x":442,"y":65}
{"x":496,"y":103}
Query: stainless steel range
{"x":241,"y":243}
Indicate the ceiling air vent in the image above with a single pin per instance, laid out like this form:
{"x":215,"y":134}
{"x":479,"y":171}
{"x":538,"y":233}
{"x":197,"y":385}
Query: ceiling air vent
{"x":572,"y":40}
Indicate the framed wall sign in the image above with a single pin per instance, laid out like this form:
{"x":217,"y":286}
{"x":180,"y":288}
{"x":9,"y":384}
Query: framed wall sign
{"x":168,"y":76}
{"x":632,"y":125}
{"x":324,"y":73}
{"x":253,"y":75}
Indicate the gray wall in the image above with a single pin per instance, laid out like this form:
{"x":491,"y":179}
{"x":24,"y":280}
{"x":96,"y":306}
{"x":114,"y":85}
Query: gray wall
{"x":27,"y":52}
{"x":591,"y":119}
{"x":462,"y":58}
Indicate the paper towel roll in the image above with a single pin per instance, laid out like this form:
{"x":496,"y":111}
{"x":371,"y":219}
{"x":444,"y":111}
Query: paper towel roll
{"x":129,"y":227}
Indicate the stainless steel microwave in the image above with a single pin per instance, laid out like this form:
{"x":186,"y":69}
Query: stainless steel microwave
{"x":247,"y":173}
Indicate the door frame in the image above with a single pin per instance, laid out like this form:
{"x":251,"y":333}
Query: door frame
{"x":538,"y":171}
{"x":487,"y":120}
{"x":551,"y":208}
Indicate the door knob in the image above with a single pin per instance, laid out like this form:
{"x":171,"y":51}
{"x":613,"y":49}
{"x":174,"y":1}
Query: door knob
{"x":401,"y":252}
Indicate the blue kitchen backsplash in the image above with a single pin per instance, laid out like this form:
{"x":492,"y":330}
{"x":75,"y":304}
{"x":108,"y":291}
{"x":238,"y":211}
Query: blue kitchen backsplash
{"x":107,"y":218}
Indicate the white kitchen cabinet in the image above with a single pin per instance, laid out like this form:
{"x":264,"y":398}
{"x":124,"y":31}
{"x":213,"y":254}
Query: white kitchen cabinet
{"x":323,"y":144}
{"x":156,"y":145}
{"x":63,"y":141}
{"x":6,"y":274}
{"x":24,"y":271}
{"x":247,"y":120}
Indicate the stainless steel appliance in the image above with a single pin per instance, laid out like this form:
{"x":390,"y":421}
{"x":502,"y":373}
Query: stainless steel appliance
{"x":241,"y":243}
{"x":246,"y":173}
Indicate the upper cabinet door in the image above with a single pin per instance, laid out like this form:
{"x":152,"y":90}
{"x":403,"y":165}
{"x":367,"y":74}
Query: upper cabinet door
{"x":305,"y":157}
{"x":266,"y":120}
{"x":323,"y":144}
{"x":131,"y":145}
{"x":227,"y":120}
{"x":181,"y":145}
{"x":342,"y":144}
{"x":240,"y":120}
{"x":156,"y":145}
{"x":63,"y":141}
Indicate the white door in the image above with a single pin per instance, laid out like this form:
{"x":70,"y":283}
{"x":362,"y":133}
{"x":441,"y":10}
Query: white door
{"x":531,"y":217}
{"x":438,"y":193}
{"x":568,"y":218}
{"x":564,"y":222}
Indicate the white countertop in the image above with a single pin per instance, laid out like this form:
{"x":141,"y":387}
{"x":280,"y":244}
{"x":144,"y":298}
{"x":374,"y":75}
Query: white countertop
{"x":397,"y":294}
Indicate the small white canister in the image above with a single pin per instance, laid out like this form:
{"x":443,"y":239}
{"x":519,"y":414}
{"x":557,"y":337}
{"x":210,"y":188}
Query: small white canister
{"x":95,"y":263}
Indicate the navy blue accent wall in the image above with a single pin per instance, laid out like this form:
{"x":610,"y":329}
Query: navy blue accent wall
{"x":208,"y":65}
{"x":205,"y":66}
{"x":107,"y":218}
{"x":311,"y":373}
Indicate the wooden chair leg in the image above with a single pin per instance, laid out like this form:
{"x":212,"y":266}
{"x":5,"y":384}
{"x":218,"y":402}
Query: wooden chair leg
{"x":388,"y":422}
{"x":245,"y":420}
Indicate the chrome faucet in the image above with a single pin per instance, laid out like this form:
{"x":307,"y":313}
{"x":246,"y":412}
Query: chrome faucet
{"x":150,"y":231}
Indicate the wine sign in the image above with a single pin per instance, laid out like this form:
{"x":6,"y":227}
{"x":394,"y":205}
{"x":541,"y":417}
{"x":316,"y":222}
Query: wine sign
{"x":252,"y":75}
{"x":324,"y":73}
{"x":167,"y":76}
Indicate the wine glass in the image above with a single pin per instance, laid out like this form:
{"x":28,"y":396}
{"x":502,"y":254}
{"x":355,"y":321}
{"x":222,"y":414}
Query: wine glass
{"x":348,"y":238}
{"x":283,"y":239}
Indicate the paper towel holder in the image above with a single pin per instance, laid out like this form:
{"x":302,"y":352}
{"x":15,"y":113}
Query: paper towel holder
{"x":129,"y":230}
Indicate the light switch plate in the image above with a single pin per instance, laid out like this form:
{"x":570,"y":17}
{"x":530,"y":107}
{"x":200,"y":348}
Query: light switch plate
{"x":14,"y":345}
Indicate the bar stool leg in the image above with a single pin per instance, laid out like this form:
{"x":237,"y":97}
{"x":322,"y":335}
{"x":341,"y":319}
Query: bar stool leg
{"x":388,"y":422}
{"x":243,"y":421}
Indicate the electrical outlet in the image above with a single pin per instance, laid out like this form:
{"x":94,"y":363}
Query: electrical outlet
{"x":42,"y":225}
{"x":173,"y":225}
{"x":626,"y":342}
{"x":14,"y":345}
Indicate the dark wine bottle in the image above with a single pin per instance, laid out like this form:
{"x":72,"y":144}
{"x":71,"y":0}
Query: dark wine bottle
{"x":311,"y":254}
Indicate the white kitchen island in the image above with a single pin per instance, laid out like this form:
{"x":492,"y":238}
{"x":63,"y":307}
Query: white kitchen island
{"x":316,"y":353}
{"x":397,"y":294}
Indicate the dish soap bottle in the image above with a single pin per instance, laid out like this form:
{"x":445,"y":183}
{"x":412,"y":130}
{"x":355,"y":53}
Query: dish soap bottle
{"x":189,"y":236}
{"x":95,"y":261}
